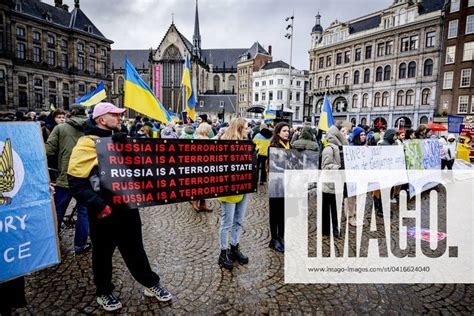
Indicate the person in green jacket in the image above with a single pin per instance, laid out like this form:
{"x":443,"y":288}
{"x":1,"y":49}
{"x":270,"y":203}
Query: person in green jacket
{"x":59,"y":146}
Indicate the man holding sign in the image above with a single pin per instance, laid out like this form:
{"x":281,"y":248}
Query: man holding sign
{"x":109,"y":228}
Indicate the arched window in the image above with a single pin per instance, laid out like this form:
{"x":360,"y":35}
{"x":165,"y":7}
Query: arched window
{"x":120,"y":84}
{"x":353,"y":121}
{"x":400,"y":97}
{"x":232,"y":81}
{"x":410,"y":97}
{"x":320,"y":82}
{"x":365,"y":100}
{"x":217,"y":81}
{"x":425,"y":96}
{"x":345,"y":78}
{"x":355,"y":101}
{"x":327,"y":81}
{"x":356,"y":77}
{"x":377,"y":99}
{"x":411,"y":69}
{"x":385,"y":97}
{"x":424,"y":120}
{"x":402,"y":71}
{"x":367,"y":76}
{"x":363,"y":121}
{"x":337,"y":80}
{"x":172,"y":66}
{"x":387,"y":73}
{"x":378,"y":74}
{"x":428,"y":68}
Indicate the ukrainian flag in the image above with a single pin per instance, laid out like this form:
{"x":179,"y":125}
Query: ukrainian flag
{"x":326,"y":119}
{"x":174,"y":117}
{"x":94,"y":97}
{"x":187,"y":83}
{"x":139,"y":97}
{"x":269,"y":115}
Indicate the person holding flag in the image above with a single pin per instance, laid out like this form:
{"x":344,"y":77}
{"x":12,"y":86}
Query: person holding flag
{"x":269,"y":115}
{"x":190,"y":98}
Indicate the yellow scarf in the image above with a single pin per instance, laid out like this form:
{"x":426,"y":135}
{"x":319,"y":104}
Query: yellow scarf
{"x":285,"y":145}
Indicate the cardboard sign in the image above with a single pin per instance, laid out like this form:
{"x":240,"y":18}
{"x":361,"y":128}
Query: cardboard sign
{"x":465,"y":138}
{"x":28,"y":240}
{"x":423,"y":155}
{"x":147,"y":172}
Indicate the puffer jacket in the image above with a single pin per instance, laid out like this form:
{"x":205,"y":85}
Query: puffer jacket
{"x":60,"y":143}
{"x":388,"y":138}
{"x":331,"y":157}
{"x":305,"y":141}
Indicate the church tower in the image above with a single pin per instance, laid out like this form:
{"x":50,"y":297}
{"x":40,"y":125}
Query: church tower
{"x":197,"y":35}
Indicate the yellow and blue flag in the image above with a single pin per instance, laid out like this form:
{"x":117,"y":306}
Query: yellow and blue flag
{"x":268,"y":115}
{"x":139,"y":97}
{"x":188,"y":84}
{"x":174,"y":117}
{"x":326,"y":119}
{"x":93,"y":97}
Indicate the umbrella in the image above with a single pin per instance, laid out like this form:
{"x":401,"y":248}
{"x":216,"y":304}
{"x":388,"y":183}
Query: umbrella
{"x":437,"y":127}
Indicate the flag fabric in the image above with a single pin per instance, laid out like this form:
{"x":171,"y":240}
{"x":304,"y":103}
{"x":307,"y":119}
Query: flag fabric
{"x":268,"y":115}
{"x":139,"y":96}
{"x":93,"y":97}
{"x":174,"y":117}
{"x":326,"y":119}
{"x":188,"y":84}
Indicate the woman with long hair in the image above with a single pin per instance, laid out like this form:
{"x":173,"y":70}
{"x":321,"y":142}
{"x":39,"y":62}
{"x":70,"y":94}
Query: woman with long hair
{"x":233,"y":208}
{"x":280,"y":139}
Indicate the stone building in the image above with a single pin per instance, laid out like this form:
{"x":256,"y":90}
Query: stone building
{"x":456,"y":85}
{"x":49,"y":55}
{"x":381,"y":68}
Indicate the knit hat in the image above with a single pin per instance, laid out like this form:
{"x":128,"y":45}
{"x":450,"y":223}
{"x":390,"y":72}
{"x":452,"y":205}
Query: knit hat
{"x":357,"y":131}
{"x":203,"y":117}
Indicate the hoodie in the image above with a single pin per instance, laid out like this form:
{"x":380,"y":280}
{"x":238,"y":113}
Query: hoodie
{"x":305,"y":141}
{"x":262,"y":141}
{"x":388,"y":138}
{"x":332,"y":155}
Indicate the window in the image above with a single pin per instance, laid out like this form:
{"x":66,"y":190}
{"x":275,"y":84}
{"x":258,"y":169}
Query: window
{"x":470,"y":3}
{"x":321,"y":62}
{"x":103,"y":70}
{"x":365,"y":100}
{"x":400,"y":98}
{"x":103,"y":52}
{"x":201,"y":103}
{"x":80,"y":63}
{"x":23,"y":99}
{"x":298,"y":96}
{"x":38,"y":100}
{"x":320,"y":82}
{"x":256,"y":84}
{"x":379,"y":74}
{"x":470,"y":24}
{"x":405,"y":44}
{"x":377,"y":99}
{"x":20,"y":50}
{"x":298,"y":83}
{"x":388,"y":48}
{"x":22,"y":80}
{"x":356,"y":77}
{"x":410,"y":97}
{"x":270,"y":82}
{"x":51,"y":57}
{"x":65,"y":102}
{"x":270,"y":96}
{"x":50,"y":40}
{"x":367,"y":76}
{"x":64,"y":61}
{"x":280,"y":81}
{"x":451,"y":52}
{"x":428,"y":68}
{"x":327,"y":81}
{"x":36,"y":36}
{"x":355,"y":101}
{"x":380,"y":49}
{"x":38,"y":82}
{"x":430,"y":39}
{"x":280,"y":94}
{"x":345,"y":79}
{"x":425,"y":96}
{"x":385,"y":97}
{"x":338,"y":58}
{"x":411,"y":69}
{"x":64,"y":43}
{"x":337,"y":80}
{"x":66,"y":86}
{"x":92,"y":65}
{"x":357,"y":54}
{"x":264,"y":97}
{"x":328,"y":61}
{"x":36,"y":54}
{"x":347,"y":57}
{"x":454,"y":5}
{"x":20,"y":31}
{"x":82,"y":88}
{"x":463,"y":104}
{"x":256,"y":97}
{"x":448,"y":80}
{"x":387,"y":73}
{"x":92,"y":50}
{"x":264,"y":83}
{"x":468,"y":53}
{"x":368,"y":52}
{"x":80,"y":47}
{"x":52,"y":85}
{"x":402,"y":71}
{"x":465,"y":78}
{"x":453,"y":29}
{"x":414,"y":42}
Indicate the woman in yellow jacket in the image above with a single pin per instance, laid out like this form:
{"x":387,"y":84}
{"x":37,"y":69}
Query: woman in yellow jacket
{"x":233,"y":208}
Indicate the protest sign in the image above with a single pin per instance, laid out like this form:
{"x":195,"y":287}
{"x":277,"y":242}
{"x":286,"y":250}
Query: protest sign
{"x":423,"y":155}
{"x":146,"y":172}
{"x":465,"y":143}
{"x":288,"y":159}
{"x":27,"y":219}
{"x":371,"y":158}
{"x":454,"y":123}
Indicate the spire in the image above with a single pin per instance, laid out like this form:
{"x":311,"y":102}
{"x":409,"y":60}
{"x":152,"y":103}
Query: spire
{"x":318,"y":19}
{"x":76,"y":4}
{"x":197,"y":34}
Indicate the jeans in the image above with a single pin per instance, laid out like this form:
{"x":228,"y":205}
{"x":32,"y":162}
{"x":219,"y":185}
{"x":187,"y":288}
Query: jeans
{"x":232,"y":217}
{"x":62,"y":198}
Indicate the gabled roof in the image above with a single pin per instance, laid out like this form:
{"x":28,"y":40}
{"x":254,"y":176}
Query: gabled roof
{"x":220,"y":56}
{"x":138,"y":57}
{"x":76,"y":19}
{"x":276,"y":64}
{"x":254,"y":50}
{"x":212,"y":103}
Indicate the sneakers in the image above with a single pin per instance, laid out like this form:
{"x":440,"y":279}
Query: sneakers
{"x":109,"y":302}
{"x":160,"y":293}
{"x":86,"y":248}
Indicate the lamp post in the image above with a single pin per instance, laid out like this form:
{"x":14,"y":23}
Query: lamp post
{"x":290,"y":37}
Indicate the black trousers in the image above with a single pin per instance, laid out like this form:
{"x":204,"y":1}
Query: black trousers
{"x":329,"y":214}
{"x":122,"y":229}
{"x":447,"y":163}
{"x":277,"y":218}
{"x":261,"y":167}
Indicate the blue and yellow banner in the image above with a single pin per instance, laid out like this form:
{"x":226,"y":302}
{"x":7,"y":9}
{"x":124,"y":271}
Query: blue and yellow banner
{"x":326,"y":119}
{"x":93,"y":97}
{"x":190,"y":98}
{"x":269,"y":115}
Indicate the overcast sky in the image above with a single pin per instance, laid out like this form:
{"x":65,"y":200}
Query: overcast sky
{"x":139,"y":24}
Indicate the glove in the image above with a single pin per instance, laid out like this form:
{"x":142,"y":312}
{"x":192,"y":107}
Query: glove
{"x":119,"y":137}
{"x":107,"y":211}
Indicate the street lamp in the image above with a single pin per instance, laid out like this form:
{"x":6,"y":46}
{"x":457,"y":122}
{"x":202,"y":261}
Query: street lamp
{"x":290,"y":37}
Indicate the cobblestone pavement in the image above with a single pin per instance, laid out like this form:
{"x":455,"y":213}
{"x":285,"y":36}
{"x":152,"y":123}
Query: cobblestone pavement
{"x":182,"y":247}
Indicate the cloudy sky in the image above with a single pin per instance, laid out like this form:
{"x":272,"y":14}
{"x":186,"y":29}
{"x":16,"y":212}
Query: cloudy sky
{"x":135,"y":24}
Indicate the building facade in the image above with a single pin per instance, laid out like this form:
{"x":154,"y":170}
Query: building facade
{"x":382,"y":68}
{"x":270,"y":85}
{"x":456,"y":85}
{"x":48,"y":55}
